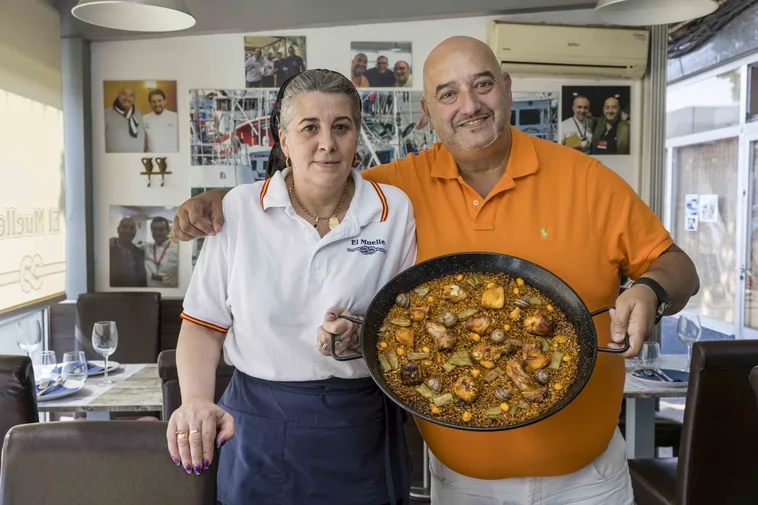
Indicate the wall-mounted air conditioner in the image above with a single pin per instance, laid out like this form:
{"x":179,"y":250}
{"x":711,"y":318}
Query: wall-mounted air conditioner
{"x":570,"y":50}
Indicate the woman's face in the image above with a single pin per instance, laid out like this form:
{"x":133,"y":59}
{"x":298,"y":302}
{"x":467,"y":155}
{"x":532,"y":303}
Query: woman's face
{"x":321,"y":138}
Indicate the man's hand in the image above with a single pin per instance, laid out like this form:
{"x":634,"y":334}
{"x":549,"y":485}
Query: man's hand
{"x":200,"y":216}
{"x":348,"y":339}
{"x":635,"y":314}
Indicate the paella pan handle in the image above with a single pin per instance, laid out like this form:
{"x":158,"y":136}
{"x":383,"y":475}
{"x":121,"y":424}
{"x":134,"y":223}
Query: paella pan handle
{"x":333,"y":343}
{"x":624,"y":348}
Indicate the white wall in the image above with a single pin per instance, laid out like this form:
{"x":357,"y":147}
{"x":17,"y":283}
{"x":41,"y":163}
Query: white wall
{"x":215,"y":61}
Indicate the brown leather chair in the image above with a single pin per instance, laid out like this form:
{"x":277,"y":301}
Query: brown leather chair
{"x":717,"y":461}
{"x":97,"y":462}
{"x":18,"y":397}
{"x":754,"y":381}
{"x":137,"y":317}
{"x":172,"y":394}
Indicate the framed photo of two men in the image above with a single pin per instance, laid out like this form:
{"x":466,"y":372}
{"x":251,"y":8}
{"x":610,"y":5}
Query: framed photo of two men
{"x":595,"y":119}
{"x":140,"y":116}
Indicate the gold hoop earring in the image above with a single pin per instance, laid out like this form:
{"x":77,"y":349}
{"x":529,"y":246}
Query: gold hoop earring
{"x":287,"y":162}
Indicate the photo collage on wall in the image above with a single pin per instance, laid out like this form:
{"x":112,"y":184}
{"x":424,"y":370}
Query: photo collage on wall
{"x":271,"y":60}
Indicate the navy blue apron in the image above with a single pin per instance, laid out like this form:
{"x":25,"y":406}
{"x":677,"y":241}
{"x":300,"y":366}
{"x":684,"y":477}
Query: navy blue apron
{"x":336,"y":441}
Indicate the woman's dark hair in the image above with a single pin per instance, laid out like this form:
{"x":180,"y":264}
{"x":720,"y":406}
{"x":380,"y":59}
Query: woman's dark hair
{"x":325,"y":81}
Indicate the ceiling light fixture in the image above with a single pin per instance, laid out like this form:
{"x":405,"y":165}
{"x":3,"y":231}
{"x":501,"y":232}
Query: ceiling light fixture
{"x":135,"y":15}
{"x":652,"y":12}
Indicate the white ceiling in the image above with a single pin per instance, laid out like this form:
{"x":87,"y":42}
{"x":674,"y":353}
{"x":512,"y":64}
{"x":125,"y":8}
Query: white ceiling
{"x":235,"y":16}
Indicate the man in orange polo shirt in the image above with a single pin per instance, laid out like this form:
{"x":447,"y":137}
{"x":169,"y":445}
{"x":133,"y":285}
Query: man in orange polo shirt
{"x":489,"y":187}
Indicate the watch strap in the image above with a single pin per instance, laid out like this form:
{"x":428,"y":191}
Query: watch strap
{"x":664,"y":300}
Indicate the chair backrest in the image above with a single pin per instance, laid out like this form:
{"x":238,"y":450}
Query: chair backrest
{"x":18,"y":397}
{"x":717,"y":459}
{"x":754,"y":381}
{"x":137,"y":317}
{"x":97,"y":462}
{"x":172,"y":393}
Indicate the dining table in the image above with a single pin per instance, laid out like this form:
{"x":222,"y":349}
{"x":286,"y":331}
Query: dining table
{"x":137,"y":388}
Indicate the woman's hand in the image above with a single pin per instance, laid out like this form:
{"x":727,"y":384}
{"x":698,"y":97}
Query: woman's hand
{"x":192,"y":431}
{"x":346,"y":331}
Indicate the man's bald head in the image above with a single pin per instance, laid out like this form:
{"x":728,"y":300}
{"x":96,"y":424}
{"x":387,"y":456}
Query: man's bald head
{"x":467,"y":98}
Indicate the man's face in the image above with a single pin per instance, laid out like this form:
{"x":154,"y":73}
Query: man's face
{"x":126,"y":98}
{"x":157,"y":103}
{"x":127,"y":230}
{"x":402,"y":72}
{"x":258,"y":54}
{"x":270,"y":56}
{"x":468,"y":99}
{"x":291,"y":51}
{"x":581,"y":108}
{"x":611,"y":109}
{"x":159,"y":230}
{"x":382,"y":63}
{"x":359,"y":64}
{"x":279,"y":56}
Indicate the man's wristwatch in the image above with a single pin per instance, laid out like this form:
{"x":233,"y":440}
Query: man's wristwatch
{"x":664,"y":300}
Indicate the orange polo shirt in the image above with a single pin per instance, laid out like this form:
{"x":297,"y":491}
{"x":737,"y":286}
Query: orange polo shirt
{"x":562,"y":210}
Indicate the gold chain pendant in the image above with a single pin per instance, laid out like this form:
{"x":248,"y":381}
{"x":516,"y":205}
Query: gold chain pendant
{"x":315,"y":224}
{"x":333,"y":222}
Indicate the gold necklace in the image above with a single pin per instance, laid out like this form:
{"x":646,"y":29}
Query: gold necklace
{"x":333,"y":221}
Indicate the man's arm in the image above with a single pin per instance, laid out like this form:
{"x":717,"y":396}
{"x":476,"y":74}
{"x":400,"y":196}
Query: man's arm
{"x":676,"y":273}
{"x":200,"y":216}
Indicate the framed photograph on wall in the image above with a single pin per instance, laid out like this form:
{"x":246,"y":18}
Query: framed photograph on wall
{"x":595,"y":119}
{"x":271,"y":60}
{"x":381,"y":64}
{"x":140,"y":116}
{"x":536,"y":114}
{"x":143,"y":251}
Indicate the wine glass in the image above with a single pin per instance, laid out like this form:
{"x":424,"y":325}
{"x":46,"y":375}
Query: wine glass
{"x":28,"y":335}
{"x":688,"y":330}
{"x":105,"y":341}
{"x":44,"y":365}
{"x":74,"y":366}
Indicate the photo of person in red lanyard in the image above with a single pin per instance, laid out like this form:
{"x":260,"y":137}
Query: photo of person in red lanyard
{"x":161,"y":256}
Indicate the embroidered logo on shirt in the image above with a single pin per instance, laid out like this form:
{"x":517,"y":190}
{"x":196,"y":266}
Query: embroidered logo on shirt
{"x":544,"y":233}
{"x":367,"y":247}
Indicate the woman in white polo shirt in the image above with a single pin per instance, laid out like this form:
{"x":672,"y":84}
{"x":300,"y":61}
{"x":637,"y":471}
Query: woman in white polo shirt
{"x":297,"y":426}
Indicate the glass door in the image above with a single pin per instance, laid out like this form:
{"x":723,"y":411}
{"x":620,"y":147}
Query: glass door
{"x":749,"y":265}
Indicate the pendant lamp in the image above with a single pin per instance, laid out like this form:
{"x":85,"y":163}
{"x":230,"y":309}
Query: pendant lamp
{"x":652,"y":12}
{"x":135,"y":15}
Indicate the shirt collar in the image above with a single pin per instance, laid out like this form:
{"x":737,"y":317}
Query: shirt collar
{"x":522,"y":160}
{"x":369,"y":203}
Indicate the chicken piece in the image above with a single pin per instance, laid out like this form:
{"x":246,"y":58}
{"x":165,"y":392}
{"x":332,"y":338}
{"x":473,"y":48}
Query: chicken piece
{"x":419,"y":313}
{"x":534,"y":357}
{"x":454,"y":293}
{"x":493,"y":298}
{"x":530,"y":389}
{"x":487,"y":352}
{"x":538,"y":323}
{"x":404,"y":336}
{"x":481,"y":325}
{"x":465,"y":389}
{"x":445,"y":341}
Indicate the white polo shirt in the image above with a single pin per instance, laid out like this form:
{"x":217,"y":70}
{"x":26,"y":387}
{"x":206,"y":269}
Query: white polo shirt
{"x":268,"y":278}
{"x":162,"y":264}
{"x":162,"y":132}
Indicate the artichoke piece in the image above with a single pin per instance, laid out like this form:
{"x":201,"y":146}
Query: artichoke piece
{"x":493,"y":413}
{"x":474,"y":281}
{"x":448,"y":367}
{"x":421,"y":291}
{"x":425,"y":391}
{"x":403,"y":300}
{"x":493,"y":374}
{"x":392,"y":358}
{"x":460,"y":358}
{"x":467,"y":314}
{"x":442,"y":400}
{"x":401,"y":321}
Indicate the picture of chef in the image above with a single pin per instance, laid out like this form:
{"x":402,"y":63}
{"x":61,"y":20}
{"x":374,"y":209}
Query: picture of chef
{"x":270,"y":60}
{"x":595,"y":119}
{"x":144,"y":254}
{"x":381,"y":64}
{"x":140,"y":116}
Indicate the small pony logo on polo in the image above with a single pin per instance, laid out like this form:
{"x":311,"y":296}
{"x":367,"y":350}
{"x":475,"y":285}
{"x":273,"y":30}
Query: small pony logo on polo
{"x":543,"y":232}
{"x":368,"y":247}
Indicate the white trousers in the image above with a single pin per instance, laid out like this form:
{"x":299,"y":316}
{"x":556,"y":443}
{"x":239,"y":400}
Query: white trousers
{"x":605,"y":481}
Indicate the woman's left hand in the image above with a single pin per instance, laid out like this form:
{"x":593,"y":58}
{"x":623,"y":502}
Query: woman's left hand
{"x":346,"y":331}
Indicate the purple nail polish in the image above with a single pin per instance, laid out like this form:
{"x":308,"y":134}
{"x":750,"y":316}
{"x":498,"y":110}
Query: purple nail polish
{"x":197,"y":469}
{"x":206,"y":464}
{"x":221,"y":444}
{"x":188,"y":468}
{"x":176,"y":460}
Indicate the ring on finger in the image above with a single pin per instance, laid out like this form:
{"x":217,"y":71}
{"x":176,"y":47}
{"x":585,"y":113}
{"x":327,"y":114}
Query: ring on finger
{"x":325,"y":347}
{"x":193,"y":431}
{"x":182,"y":435}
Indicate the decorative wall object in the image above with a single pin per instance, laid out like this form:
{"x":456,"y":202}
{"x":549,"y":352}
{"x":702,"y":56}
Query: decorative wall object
{"x":140,"y":116}
{"x":143,"y":251}
{"x":270,"y":60}
{"x":536,"y":114}
{"x":595,"y":119}
{"x":381,"y":64}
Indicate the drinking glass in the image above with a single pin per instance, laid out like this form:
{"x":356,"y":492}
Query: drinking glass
{"x":44,"y":364}
{"x":688,"y":330}
{"x":650,"y":356}
{"x":28,"y":335}
{"x":105,"y":341}
{"x":74,"y":366}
